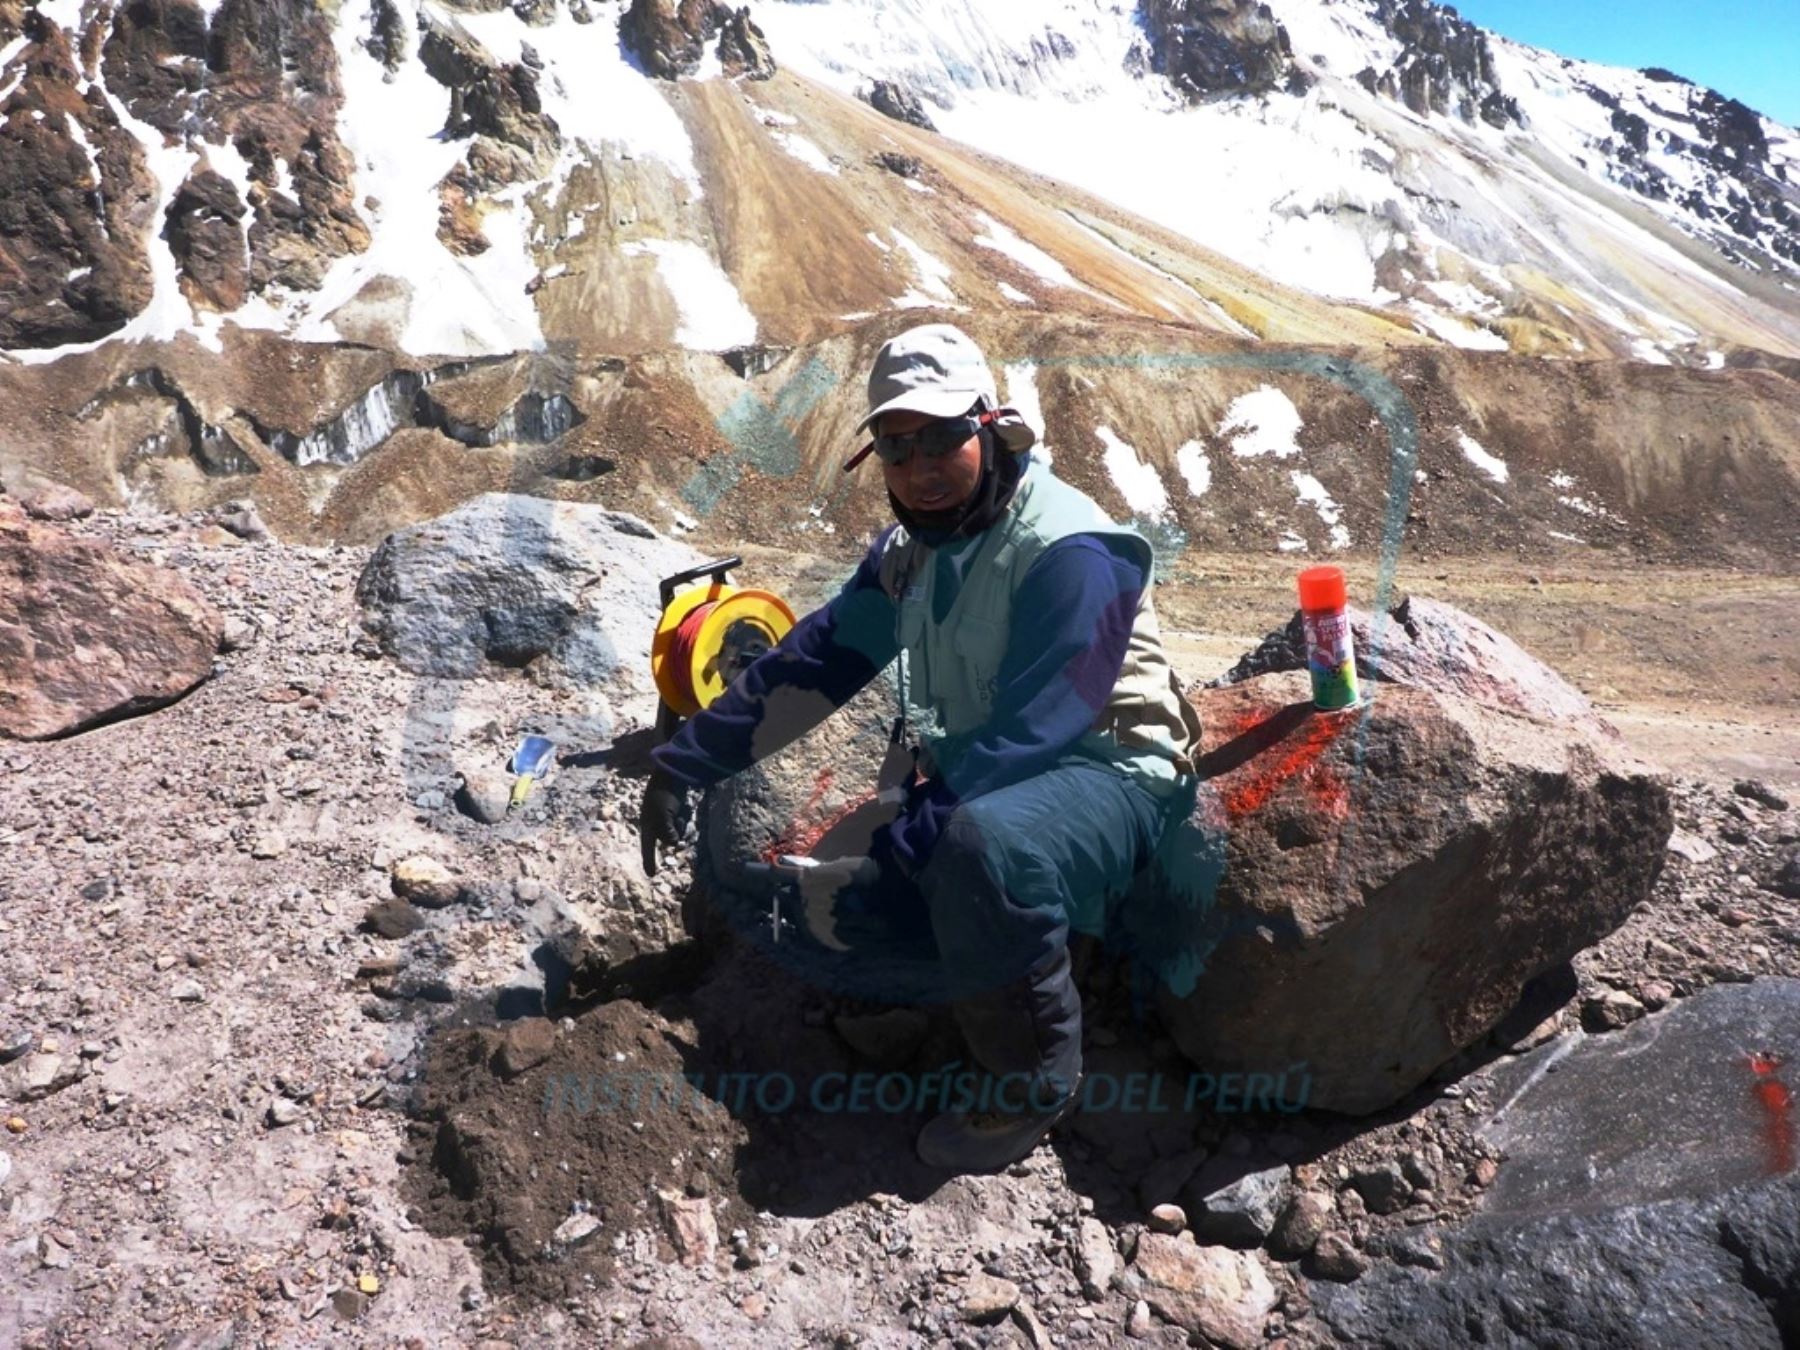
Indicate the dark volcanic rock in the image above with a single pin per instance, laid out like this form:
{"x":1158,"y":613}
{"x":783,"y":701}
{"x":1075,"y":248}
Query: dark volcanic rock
{"x":743,"y":50}
{"x":1213,"y":48}
{"x":73,"y":265}
{"x":1648,"y":1198}
{"x":1445,"y":66}
{"x":900,"y":103}
{"x":206,"y":233}
{"x":668,"y":37}
{"x":488,"y":99}
{"x":88,"y":636}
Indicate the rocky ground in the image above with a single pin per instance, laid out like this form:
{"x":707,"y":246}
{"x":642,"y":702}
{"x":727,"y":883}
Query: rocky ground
{"x":297,"y":1051}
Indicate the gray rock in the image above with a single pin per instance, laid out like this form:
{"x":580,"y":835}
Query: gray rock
{"x":1168,"y":1218}
{"x":283,"y":1111}
{"x":236,"y":635}
{"x":187,"y":991}
{"x":900,"y":103}
{"x":242,"y":519}
{"x":1301,"y":1224}
{"x":484,"y":795}
{"x":1096,"y":1259}
{"x":14,"y":1044}
{"x":1643,"y":1199}
{"x":393,"y":918}
{"x":6,"y":1167}
{"x":1383,"y":1187}
{"x":1761,"y":793}
{"x":1611,"y":1010}
{"x":1232,"y":1208}
{"x":575,"y":1230}
{"x":505,"y":581}
{"x":987,"y":1298}
{"x":56,"y":502}
{"x":44,"y":1074}
{"x":1335,"y":1257}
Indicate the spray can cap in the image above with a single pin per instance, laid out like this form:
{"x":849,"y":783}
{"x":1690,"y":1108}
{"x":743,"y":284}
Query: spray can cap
{"x":1322,"y":588}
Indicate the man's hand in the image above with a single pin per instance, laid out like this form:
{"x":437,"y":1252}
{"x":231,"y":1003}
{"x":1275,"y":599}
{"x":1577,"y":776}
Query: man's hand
{"x":662,"y":818}
{"x":824,"y":884}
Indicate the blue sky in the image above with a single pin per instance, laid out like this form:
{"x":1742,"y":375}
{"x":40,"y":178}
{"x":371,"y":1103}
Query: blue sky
{"x":1747,"y":49}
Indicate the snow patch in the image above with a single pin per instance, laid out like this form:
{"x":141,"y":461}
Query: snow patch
{"x":1491,"y":465}
{"x":1195,"y":467}
{"x":1029,"y":256}
{"x":806,"y":152}
{"x":933,"y":290}
{"x":1311,"y":492}
{"x":1022,"y":395}
{"x":1262,"y":422}
{"x":714,"y":317}
{"x":1138,"y":483}
{"x":1456,"y":332}
{"x":1014,"y":294}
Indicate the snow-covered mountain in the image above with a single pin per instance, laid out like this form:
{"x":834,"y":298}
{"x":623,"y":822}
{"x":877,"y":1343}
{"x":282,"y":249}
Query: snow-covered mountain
{"x":337,"y":252}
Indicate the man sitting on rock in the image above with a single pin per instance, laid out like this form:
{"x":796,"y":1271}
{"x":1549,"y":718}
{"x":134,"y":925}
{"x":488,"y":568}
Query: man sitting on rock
{"x":1052,"y":740}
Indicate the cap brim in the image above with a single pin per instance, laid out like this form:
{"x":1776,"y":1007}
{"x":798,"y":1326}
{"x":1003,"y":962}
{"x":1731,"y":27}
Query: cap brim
{"x":931,"y":402}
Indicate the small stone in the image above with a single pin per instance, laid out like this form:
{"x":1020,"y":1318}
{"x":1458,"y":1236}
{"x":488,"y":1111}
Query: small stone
{"x":1654,"y":994}
{"x":1735,"y":917}
{"x":988,"y":1298}
{"x":1138,"y":1325}
{"x":1610,"y":1011}
{"x":282,"y":1111}
{"x":53,"y":1254}
{"x":1692,"y":847}
{"x":44,"y":1074}
{"x":1383,"y":1187}
{"x":236,"y":634}
{"x":484,"y":795}
{"x":575,"y":1230}
{"x":1423,"y":1250}
{"x":1223,"y":1294}
{"x":1761,"y":793}
{"x":16,"y":1125}
{"x":1335,"y":1257}
{"x":1484,"y":1172}
{"x":368,"y":1284}
{"x":187,"y":991}
{"x":350,"y":1304}
{"x":15,"y":1043}
{"x":692,"y":1227}
{"x":270,"y":845}
{"x":424,"y":881}
{"x":1301,"y":1224}
{"x":1096,"y":1258}
{"x":754,"y":1306}
{"x":524,"y":1045}
{"x":1167,"y":1219}
{"x":393,"y":918}
{"x":6,"y":1167}
{"x":1234,"y":1207}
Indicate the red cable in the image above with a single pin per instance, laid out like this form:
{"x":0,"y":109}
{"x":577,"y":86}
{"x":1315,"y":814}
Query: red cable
{"x":681,"y":649}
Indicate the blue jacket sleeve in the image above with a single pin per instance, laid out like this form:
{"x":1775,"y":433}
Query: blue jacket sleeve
{"x":1071,"y":625}
{"x":828,"y":657}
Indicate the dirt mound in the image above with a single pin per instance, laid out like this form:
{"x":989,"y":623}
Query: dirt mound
{"x":561,"y":1150}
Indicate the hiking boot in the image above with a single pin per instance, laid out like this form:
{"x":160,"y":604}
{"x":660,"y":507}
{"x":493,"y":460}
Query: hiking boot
{"x":986,"y":1141}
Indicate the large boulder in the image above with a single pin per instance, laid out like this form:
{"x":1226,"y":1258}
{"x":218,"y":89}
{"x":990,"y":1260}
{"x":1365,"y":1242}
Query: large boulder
{"x":1355,"y":897}
{"x":508,"y":581}
{"x":1648,"y":1197}
{"x":88,"y":636}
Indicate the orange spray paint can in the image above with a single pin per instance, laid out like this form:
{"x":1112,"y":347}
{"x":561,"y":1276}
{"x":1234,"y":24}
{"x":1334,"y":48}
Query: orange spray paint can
{"x":1330,"y":657}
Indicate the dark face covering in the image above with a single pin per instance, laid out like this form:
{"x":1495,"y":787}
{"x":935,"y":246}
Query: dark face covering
{"x":1001,"y":471}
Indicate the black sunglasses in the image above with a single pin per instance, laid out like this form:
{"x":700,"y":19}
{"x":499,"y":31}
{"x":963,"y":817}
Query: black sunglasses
{"x":933,"y":440}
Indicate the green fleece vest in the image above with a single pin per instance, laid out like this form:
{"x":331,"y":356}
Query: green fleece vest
{"x":949,"y":670}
